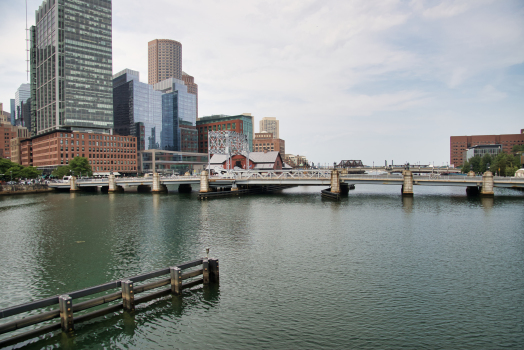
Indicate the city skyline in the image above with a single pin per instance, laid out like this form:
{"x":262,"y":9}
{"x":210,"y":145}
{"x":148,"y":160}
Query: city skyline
{"x":372,"y":81}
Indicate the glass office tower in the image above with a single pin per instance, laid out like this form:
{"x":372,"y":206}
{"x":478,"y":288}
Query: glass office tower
{"x":178,"y":116}
{"x":71,"y":66}
{"x":137,"y":109}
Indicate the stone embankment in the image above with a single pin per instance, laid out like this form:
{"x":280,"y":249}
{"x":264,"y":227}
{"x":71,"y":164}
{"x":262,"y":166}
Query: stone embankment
{"x":24,"y":189}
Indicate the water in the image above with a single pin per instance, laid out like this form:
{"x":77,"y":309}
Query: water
{"x":373,"y":271}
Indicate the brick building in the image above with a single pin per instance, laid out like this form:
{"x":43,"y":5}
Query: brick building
{"x":105,"y":152}
{"x":459,"y":144}
{"x":257,"y":161}
{"x":264,"y":141}
{"x":9,"y":132}
{"x":242,"y":124}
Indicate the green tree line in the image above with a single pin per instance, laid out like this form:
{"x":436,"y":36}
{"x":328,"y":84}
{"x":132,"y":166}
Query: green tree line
{"x":502,"y":164}
{"x":78,"y":166}
{"x":8,"y":168}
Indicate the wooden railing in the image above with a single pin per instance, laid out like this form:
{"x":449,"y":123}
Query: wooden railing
{"x":209,"y":272}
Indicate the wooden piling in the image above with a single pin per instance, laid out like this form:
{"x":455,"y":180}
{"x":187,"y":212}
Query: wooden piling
{"x":213,"y":270}
{"x":65,"y":303}
{"x":128,"y":296}
{"x":205,"y":269}
{"x":176,"y":280}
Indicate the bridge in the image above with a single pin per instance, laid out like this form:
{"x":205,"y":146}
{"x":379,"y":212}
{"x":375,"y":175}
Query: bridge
{"x":339,"y":181}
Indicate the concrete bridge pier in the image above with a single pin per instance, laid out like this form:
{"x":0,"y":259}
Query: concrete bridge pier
{"x":335,"y":181}
{"x":184,"y":188}
{"x":157,"y":186}
{"x":407,"y":185}
{"x":113,"y":187}
{"x":234,"y":187}
{"x":73,"y":186}
{"x":487,"y":185}
{"x":204,"y":182}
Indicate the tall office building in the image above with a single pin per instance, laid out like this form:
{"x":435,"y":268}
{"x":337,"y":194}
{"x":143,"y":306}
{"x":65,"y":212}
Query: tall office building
{"x":137,"y":109}
{"x":164,"y":60}
{"x":192,"y":88}
{"x":22,"y":94}
{"x":270,"y":124}
{"x":71,"y":66}
{"x":13,"y":111}
{"x":179,"y":131}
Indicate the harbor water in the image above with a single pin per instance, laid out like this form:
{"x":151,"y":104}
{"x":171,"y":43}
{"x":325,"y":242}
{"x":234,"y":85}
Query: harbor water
{"x":372,"y":271}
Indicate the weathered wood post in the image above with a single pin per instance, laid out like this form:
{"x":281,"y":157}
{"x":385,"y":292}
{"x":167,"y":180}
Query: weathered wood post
{"x":204,"y":182}
{"x":73,"y":185}
{"x":407,"y":185}
{"x":176,"y":280}
{"x":157,"y":187}
{"x":65,"y":303}
{"x":205,"y":270}
{"x":335,"y":181}
{"x":487,"y":185}
{"x":128,"y":296}
{"x":213,"y":270}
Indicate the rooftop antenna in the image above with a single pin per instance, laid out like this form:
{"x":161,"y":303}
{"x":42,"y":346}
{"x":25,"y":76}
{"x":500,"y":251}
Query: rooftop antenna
{"x":26,"y":41}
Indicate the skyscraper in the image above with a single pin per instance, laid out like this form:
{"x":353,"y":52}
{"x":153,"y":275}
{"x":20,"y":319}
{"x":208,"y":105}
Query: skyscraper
{"x":137,"y":109}
{"x":270,"y":124}
{"x":71,"y":66}
{"x":192,"y":88}
{"x":164,"y":60}
{"x":22,"y":94}
{"x":178,"y":116}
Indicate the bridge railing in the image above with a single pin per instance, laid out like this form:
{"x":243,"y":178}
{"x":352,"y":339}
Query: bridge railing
{"x":279,"y":174}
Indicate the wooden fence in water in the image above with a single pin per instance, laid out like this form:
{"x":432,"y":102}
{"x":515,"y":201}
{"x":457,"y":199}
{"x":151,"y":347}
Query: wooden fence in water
{"x":66,"y":308}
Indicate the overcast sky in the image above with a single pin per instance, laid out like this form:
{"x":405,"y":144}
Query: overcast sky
{"x":370,"y":80}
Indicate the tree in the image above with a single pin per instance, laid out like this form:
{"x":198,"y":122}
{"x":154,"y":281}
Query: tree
{"x":465,"y":167}
{"x":30,"y":172}
{"x":485,"y":162}
{"x":475,"y":164}
{"x":80,"y":165}
{"x":61,"y":171}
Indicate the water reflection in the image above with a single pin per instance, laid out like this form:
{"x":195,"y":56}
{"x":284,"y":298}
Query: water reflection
{"x":487,"y":203}
{"x":407,"y":204}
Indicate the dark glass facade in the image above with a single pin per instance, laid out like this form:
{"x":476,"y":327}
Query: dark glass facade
{"x":71,"y":66}
{"x":137,"y":103}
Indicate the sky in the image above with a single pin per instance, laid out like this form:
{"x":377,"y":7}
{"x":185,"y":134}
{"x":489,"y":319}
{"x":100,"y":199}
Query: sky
{"x":358,"y":79}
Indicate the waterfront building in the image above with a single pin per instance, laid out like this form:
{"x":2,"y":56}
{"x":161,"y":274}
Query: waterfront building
{"x":192,"y":88}
{"x":270,"y":124}
{"x":170,"y":162}
{"x":22,"y":94}
{"x":264,"y":141}
{"x":481,"y":150}
{"x":164,"y":60}
{"x":179,"y":117}
{"x":459,"y":144}
{"x":296,"y":161}
{"x":71,"y":67}
{"x":137,"y":109}
{"x":105,"y":152}
{"x":257,"y":161}
{"x":242,"y":124}
{"x":8,"y":133}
